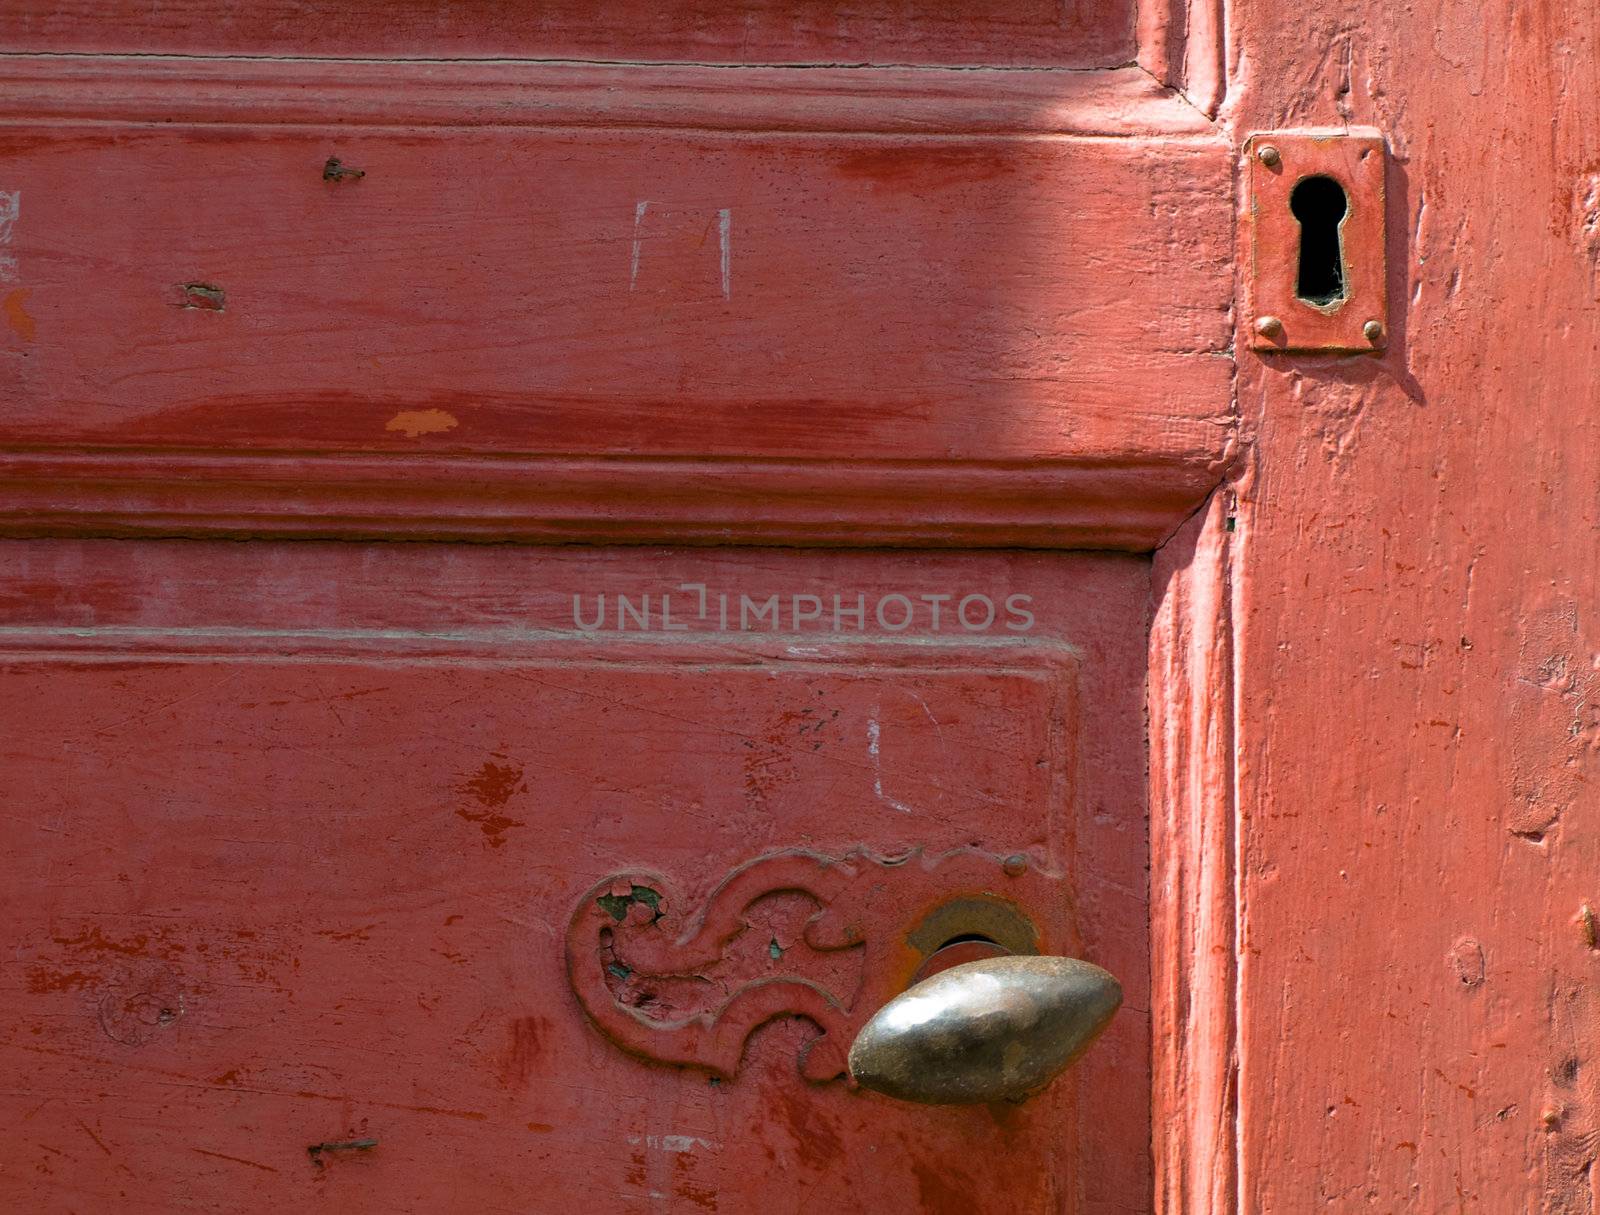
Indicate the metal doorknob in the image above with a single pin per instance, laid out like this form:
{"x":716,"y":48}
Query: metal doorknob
{"x":995,"y":1030}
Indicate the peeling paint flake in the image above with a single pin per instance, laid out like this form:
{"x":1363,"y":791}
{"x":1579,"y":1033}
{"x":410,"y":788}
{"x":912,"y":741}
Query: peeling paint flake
{"x":14,"y":307}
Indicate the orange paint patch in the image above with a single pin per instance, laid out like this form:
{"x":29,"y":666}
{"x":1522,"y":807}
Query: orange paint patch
{"x":14,"y":305}
{"x":414,"y":423}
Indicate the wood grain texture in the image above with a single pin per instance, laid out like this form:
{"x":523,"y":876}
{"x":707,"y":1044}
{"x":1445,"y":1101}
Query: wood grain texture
{"x":1419,"y":583}
{"x":1119,"y":101}
{"x":1004,"y":33}
{"x":562,"y":284}
{"x":295,"y":831}
{"x":1129,"y":505}
{"x":1183,"y":44}
{"x":1194,"y":1105}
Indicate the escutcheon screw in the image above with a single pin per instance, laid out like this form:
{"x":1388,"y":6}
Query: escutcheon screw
{"x":1269,"y":326}
{"x":1269,"y":156}
{"x":1373,"y":332}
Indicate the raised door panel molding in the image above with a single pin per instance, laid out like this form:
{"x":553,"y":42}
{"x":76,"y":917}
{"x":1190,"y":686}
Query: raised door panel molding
{"x":496,"y":301}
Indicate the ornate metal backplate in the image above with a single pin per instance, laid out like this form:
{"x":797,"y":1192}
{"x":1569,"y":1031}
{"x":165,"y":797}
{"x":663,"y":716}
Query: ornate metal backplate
{"x":689,"y":992}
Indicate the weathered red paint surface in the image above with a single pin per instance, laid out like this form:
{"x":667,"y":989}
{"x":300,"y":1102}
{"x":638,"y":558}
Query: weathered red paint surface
{"x":380,"y":842}
{"x":1417,"y":584}
{"x":298,"y":830}
{"x":346,"y":873}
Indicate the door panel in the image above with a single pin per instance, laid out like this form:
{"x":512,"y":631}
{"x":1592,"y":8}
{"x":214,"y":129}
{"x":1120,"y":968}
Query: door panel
{"x":543,"y":875}
{"x":493,"y":286}
{"x":563,"y":302}
{"x":299,"y":832}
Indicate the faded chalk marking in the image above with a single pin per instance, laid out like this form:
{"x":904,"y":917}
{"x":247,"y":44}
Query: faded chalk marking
{"x":682,"y":1143}
{"x":874,"y":738}
{"x":677,"y":1144}
{"x":14,"y":306}
{"x":10,"y":208}
{"x":638,"y":222}
{"x":414,"y":423}
{"x":932,"y":720}
{"x":725,"y":239}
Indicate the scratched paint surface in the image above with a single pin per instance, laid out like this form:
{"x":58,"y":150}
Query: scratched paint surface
{"x":296,"y":830}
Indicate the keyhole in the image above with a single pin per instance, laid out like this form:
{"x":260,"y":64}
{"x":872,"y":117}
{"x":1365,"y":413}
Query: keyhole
{"x":1319,"y":203}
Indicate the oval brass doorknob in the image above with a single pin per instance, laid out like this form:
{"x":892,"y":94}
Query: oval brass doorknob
{"x":995,"y":1030}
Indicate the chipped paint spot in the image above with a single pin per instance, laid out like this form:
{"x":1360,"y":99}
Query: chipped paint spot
{"x":202,"y":297}
{"x":318,"y":1150}
{"x":414,"y":423}
{"x":1586,"y":925}
{"x":14,"y":305}
{"x":337,"y":170}
{"x":1468,"y":961}
{"x":616,"y":905}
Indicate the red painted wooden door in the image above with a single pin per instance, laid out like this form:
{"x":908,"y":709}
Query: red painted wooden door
{"x":554,"y":554}
{"x":557,"y":874}
{"x":436,"y":876}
